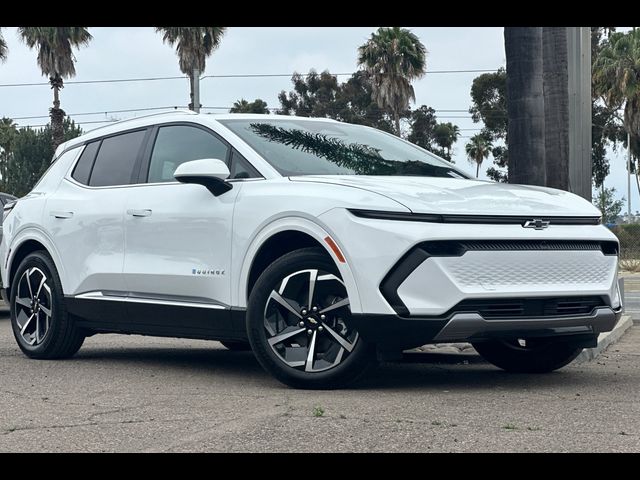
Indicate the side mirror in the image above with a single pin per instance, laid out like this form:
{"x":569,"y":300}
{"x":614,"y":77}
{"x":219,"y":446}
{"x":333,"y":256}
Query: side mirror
{"x":208,"y":172}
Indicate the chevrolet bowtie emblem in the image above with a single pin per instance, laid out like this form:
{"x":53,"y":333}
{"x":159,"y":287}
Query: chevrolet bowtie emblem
{"x":536,"y":223}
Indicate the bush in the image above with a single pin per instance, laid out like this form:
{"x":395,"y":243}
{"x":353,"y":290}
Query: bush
{"x":629,"y":237}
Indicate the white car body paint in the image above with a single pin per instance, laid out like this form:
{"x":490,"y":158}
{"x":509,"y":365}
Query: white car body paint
{"x":149,"y":239}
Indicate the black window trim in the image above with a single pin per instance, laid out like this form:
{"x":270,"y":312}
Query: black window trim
{"x":77,"y":160}
{"x":138,"y":161}
{"x":144,"y":156}
{"x":255,"y":170}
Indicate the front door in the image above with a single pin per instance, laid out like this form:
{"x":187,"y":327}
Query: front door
{"x":178,"y":239}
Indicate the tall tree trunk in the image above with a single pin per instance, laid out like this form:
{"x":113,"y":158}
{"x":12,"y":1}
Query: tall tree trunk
{"x":477,"y":169}
{"x":556,"y":106}
{"x":56,"y":113}
{"x":525,"y":105}
{"x":396,"y":117}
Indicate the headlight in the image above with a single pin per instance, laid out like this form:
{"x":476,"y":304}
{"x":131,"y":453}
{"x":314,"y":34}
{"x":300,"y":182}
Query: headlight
{"x":617,"y":299}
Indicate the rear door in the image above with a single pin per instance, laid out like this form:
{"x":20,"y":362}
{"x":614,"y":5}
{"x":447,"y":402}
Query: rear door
{"x":85,"y":216}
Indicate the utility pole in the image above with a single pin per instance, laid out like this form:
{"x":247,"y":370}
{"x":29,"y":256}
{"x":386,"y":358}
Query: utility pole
{"x":196,"y":90}
{"x":628,"y":177}
{"x":579,"y":63}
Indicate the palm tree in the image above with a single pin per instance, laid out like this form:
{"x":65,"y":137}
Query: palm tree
{"x":525,"y":105}
{"x":193,"y":46}
{"x":57,"y":61}
{"x":616,"y":75}
{"x":243,"y":106}
{"x":478,"y":148}
{"x":445,"y":135}
{"x":555,"y":77}
{"x":3,"y":48}
{"x":393,"y":57}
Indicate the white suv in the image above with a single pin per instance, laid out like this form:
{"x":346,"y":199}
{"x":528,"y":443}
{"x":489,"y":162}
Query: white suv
{"x":319,"y":245}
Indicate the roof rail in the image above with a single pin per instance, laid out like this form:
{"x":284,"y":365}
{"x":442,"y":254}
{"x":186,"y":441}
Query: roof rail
{"x":177,"y":110}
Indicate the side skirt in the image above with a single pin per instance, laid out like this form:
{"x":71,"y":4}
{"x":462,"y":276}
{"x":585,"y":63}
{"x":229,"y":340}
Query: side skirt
{"x":155,"y":318}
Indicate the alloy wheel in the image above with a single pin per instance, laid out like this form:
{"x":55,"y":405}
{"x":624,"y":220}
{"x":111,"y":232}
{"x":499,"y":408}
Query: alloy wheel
{"x":33,"y":306}
{"x":306,"y":321}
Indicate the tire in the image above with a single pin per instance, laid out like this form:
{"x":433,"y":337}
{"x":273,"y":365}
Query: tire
{"x":236,"y":346}
{"x":50,"y":332}
{"x":541,"y":355}
{"x":339,"y":356}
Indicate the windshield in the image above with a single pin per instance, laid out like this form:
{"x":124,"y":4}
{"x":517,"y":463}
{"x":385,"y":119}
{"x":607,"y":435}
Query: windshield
{"x":307,"y":147}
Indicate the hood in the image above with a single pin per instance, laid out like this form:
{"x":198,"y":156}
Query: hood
{"x":462,"y":196}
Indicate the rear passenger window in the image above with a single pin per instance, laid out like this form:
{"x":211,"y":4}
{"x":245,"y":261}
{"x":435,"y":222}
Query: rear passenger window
{"x":116,"y":160}
{"x":83,"y":168}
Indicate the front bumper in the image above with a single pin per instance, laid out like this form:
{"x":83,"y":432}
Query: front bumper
{"x":393,"y":331}
{"x":424,"y":269}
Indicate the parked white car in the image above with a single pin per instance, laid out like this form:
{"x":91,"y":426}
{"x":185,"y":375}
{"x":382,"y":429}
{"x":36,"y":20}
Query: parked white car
{"x":319,"y":245}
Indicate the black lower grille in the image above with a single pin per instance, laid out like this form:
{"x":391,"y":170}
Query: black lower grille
{"x":460,"y":247}
{"x":531,"y":307}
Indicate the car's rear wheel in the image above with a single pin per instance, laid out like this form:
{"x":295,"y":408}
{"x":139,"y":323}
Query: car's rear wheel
{"x":298,"y":323}
{"x":236,"y":346}
{"x":39,"y":319}
{"x":528,"y":355}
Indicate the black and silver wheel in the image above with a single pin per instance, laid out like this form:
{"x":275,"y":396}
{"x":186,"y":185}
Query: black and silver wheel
{"x":528,"y":355}
{"x":298,"y":323}
{"x":39,"y":319}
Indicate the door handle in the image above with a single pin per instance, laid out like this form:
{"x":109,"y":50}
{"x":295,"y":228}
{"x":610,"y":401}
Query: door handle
{"x":146,"y":212}
{"x":58,"y":214}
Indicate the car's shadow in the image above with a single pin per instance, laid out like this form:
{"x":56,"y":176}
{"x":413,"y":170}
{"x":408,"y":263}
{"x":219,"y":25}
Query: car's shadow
{"x":423,"y":371}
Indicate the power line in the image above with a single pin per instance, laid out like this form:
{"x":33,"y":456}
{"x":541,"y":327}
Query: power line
{"x":105,"y":112}
{"x":174,"y":107}
{"x":239,"y":75}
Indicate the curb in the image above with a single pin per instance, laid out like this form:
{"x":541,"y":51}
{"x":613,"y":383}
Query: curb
{"x":606,"y":339}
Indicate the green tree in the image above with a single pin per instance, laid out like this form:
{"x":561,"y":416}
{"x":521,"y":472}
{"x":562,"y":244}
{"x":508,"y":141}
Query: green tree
{"x":478,"y":149}
{"x":4,"y":50}
{"x":56,"y":60}
{"x":320,"y":95}
{"x":393,"y":57}
{"x":616,"y":78}
{"x":355,"y":104}
{"x":445,"y":135}
{"x":243,"y":106}
{"x":606,"y":126}
{"x":525,"y":105}
{"x":422,"y":127}
{"x":313,"y":95}
{"x":193,"y":46}
{"x":31,"y":155}
{"x":489,"y":106}
{"x":606,"y":201}
{"x":8,"y":132}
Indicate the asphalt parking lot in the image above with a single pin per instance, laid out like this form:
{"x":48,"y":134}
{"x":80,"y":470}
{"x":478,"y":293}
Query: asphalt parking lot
{"x":131,"y":393}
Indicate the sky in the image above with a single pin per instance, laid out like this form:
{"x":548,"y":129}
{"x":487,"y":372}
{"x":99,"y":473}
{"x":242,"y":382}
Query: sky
{"x":138,"y":52}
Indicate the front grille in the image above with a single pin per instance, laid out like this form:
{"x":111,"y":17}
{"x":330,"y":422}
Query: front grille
{"x":530,"y":307}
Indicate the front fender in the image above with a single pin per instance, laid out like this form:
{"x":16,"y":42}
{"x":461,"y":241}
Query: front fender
{"x":303,"y":225}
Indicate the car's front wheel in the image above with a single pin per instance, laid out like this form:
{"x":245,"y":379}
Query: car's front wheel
{"x":298,"y":323}
{"x":528,"y":355}
{"x":41,"y":325}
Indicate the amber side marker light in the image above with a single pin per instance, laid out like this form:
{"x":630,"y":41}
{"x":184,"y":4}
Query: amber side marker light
{"x":335,"y":249}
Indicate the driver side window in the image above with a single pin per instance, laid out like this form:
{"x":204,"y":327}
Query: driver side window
{"x":176,"y":144}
